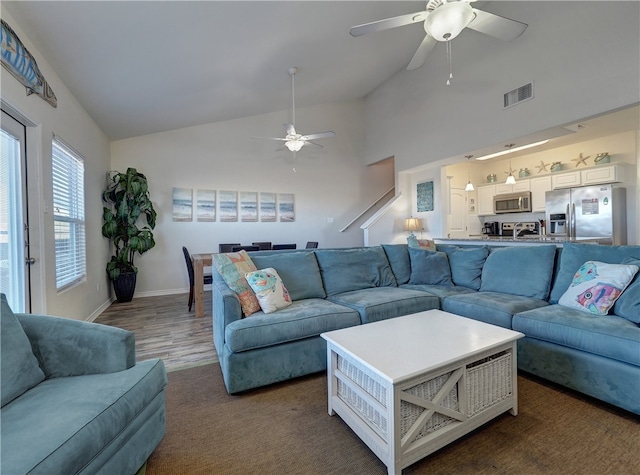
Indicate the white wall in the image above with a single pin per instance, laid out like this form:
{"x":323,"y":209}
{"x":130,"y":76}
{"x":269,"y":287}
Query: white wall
{"x":70,"y":122}
{"x":330,"y":183}
{"x":583,"y":57}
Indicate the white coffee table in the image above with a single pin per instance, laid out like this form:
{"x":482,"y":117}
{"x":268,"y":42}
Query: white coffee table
{"x":410,"y":385}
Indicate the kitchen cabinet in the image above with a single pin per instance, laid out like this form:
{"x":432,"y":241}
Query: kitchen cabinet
{"x":566,"y":180}
{"x":485,"y":199}
{"x":521,"y":185}
{"x":539,"y":186}
{"x":599,"y":175}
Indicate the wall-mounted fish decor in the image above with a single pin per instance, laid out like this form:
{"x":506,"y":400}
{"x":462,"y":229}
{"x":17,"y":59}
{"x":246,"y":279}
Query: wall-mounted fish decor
{"x":19,"y":62}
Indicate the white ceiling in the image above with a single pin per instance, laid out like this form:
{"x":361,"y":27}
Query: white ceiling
{"x":140,"y":67}
{"x":149,"y":66}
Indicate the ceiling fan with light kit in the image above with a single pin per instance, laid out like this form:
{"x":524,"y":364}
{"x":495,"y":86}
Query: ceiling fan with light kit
{"x":293,"y":140}
{"x":443,"y":21}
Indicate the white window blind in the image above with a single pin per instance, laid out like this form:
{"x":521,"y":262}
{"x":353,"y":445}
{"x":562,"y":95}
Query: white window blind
{"x":68,"y":214}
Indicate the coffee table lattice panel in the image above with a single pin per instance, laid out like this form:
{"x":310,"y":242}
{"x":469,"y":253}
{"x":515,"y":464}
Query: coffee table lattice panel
{"x":488,"y":381}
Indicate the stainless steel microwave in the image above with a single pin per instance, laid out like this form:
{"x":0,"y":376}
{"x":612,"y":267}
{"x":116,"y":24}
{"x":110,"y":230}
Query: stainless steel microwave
{"x":512,"y":203}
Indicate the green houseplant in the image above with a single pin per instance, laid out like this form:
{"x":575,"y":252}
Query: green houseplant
{"x":128,"y":204}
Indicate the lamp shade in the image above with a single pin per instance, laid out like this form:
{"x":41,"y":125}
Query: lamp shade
{"x":294,"y":145}
{"x":511,"y":180}
{"x":448,"y":20}
{"x":469,"y":187}
{"x":412,"y":224}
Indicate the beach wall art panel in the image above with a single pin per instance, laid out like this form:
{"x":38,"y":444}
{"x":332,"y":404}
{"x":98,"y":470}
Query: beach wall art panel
{"x":248,"y":206}
{"x":267,"y":207}
{"x":286,"y":209}
{"x":228,"y":206}
{"x":206,"y":206}
{"x":182,"y":204}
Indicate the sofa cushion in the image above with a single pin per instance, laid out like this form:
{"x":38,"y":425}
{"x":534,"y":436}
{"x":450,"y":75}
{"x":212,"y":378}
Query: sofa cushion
{"x":628,"y":305}
{"x":597,"y":285}
{"x":609,"y":336}
{"x":429,"y":267}
{"x":302,"y":319}
{"x":525,"y":271}
{"x":20,"y":370}
{"x":299,"y":272}
{"x":441,"y":291}
{"x":574,"y":255}
{"x":269,"y":289}
{"x":386,"y":302}
{"x":466,"y":265}
{"x":233,"y":266}
{"x":398,"y":256}
{"x":490,"y":307}
{"x":344,"y":270}
{"x":75,"y":418}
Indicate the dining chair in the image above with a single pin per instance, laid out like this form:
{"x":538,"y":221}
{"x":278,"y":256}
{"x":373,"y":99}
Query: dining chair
{"x":311,"y":245}
{"x":227,"y":247}
{"x":263,"y":245}
{"x":278,"y":247}
{"x":208,"y":278}
{"x":245,"y":248}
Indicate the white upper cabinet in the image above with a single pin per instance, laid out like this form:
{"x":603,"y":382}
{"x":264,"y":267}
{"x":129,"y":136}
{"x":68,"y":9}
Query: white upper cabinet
{"x":601,"y":174}
{"x":539,"y":186}
{"x":566,"y":180}
{"x":485,"y":199}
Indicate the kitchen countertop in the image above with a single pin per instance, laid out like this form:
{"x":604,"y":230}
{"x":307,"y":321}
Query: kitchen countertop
{"x":521,"y":240}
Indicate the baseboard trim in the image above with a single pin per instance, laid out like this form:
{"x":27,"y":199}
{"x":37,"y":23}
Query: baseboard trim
{"x":100,"y":309}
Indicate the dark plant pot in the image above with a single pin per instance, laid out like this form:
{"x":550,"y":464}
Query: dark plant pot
{"x":124,"y":286}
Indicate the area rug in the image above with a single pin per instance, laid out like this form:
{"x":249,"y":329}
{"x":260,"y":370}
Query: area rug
{"x":285,"y":429}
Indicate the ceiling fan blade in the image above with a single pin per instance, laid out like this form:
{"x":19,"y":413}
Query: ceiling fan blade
{"x":420,"y":56}
{"x":319,"y":135}
{"x":317,"y":145}
{"x":388,"y":23}
{"x":270,"y":138}
{"x":289,"y":129}
{"x":497,"y":26}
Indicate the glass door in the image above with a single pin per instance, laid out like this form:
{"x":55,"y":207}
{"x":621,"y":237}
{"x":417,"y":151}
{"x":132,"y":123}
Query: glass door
{"x":14,"y":236}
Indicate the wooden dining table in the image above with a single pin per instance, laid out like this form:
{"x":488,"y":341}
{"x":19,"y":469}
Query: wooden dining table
{"x":200,"y":261}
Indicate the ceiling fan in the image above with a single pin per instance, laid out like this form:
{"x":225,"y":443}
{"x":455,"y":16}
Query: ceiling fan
{"x":443,"y":21}
{"x":292,"y":139}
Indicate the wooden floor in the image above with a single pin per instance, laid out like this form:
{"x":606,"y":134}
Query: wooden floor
{"x":165,"y":328}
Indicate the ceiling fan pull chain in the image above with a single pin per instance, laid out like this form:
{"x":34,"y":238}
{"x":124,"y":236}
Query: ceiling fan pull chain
{"x":449,"y":60}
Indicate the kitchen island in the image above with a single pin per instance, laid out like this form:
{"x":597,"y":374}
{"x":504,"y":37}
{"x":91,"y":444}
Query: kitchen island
{"x":527,"y":240}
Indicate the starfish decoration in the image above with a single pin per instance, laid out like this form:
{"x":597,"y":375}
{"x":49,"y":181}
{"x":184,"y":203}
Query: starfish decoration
{"x":580,"y":160}
{"x":510,"y":172}
{"x":542,"y":167}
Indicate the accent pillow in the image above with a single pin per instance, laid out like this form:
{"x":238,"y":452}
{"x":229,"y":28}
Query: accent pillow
{"x":525,"y":271}
{"x":298,"y":270}
{"x":429,"y":268}
{"x":19,"y":369}
{"x":232,"y":266}
{"x":466,"y":265}
{"x":427,"y":244}
{"x":575,"y":254}
{"x":269,"y":289}
{"x":628,"y":304}
{"x":597,"y":285}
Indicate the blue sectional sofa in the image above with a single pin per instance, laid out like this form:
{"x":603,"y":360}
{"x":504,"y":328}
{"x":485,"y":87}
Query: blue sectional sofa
{"x":513,"y":287}
{"x":73,"y":398}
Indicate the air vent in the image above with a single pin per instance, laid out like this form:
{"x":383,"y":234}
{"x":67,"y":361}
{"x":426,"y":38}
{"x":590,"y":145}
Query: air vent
{"x":523,"y":93}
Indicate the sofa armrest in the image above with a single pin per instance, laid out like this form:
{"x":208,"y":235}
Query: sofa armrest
{"x":66,"y":347}
{"x":226,"y":309}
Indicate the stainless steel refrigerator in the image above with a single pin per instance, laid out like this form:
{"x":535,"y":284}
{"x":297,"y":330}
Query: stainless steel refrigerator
{"x":597,"y":211}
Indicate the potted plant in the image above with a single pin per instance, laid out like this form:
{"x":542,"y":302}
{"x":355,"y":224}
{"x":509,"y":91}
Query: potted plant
{"x":128,"y":203}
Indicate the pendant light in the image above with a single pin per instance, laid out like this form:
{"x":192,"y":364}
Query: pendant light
{"x":511,"y":180}
{"x":469,"y":186}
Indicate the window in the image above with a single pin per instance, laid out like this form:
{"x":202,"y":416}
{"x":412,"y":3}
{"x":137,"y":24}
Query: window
{"x":68,"y":214}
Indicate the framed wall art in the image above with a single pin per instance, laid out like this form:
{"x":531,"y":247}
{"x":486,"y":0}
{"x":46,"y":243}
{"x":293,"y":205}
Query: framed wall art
{"x":206,"y":206}
{"x":228,"y":206}
{"x":425,"y":196}
{"x":182,"y":204}
{"x":286,"y":207}
{"x":248,"y":206}
{"x":267,"y":207}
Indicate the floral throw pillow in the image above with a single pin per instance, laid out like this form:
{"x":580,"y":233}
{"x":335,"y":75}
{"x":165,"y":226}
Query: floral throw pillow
{"x":232,"y":266}
{"x":268,"y":287}
{"x":427,"y":244}
{"x":597,"y":285}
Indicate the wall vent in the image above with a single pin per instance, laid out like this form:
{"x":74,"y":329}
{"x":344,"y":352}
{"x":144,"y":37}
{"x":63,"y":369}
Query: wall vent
{"x":523,"y":93}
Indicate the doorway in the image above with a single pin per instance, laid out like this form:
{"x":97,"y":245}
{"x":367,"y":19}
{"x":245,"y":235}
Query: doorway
{"x":15,"y":278}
